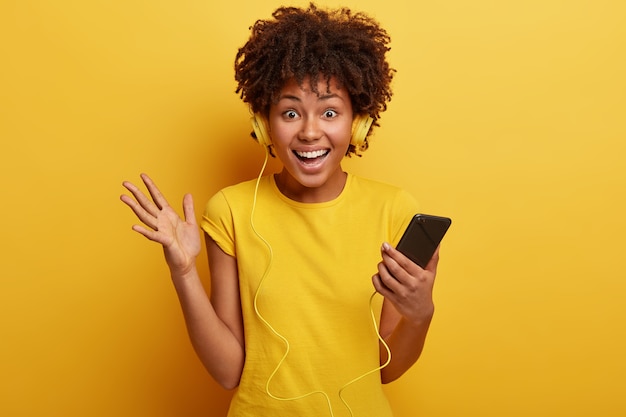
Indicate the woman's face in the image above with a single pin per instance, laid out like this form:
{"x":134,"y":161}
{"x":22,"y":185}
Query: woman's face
{"x":311,"y":133}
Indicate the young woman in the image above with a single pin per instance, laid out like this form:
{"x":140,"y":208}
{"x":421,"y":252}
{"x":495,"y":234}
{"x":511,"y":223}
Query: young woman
{"x":296,"y":257}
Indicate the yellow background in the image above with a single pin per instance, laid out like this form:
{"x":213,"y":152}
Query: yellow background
{"x":508,"y":116}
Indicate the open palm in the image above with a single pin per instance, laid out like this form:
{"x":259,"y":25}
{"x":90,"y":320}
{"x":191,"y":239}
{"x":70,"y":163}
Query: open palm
{"x":180,"y":238}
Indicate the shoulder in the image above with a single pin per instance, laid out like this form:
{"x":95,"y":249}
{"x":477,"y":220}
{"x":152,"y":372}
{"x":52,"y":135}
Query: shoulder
{"x":237,"y":193}
{"x":372,"y":189}
{"x":227,"y":208}
{"x":391,"y":206}
{"x":368,"y":183}
{"x":229,"y":198}
{"x":242,"y":188}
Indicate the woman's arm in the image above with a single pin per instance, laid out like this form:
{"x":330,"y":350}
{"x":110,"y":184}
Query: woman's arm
{"x":215,"y":325}
{"x":407,"y":310}
{"x":215,"y":329}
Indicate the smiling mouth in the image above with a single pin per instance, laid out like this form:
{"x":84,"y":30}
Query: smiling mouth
{"x":312,"y":155}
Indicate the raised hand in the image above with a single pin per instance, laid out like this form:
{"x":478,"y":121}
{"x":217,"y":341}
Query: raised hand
{"x":180,"y":238}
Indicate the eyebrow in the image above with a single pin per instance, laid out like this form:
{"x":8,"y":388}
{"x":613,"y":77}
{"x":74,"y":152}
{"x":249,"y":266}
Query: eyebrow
{"x":320,"y":97}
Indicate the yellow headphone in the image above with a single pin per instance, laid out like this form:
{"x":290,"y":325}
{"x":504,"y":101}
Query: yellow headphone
{"x":260,"y":130}
{"x":360,"y":126}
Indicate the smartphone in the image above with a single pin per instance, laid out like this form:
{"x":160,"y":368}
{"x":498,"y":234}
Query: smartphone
{"x":422,"y":236}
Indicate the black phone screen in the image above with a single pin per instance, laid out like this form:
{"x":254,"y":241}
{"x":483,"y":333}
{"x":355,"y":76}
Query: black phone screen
{"x":422,"y":236}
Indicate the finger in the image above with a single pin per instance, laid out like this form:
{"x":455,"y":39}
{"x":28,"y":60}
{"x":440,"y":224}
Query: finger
{"x":380,"y":287}
{"x":398,"y":257}
{"x":154,"y":191}
{"x":388,"y":279}
{"x":148,"y":219}
{"x":148,"y":233}
{"x":388,"y":287}
{"x":397,"y":265}
{"x":141,"y":198}
{"x":434,"y":260}
{"x":188,"y":210}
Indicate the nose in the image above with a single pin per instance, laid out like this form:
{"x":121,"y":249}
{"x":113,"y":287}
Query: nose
{"x":311,"y":129}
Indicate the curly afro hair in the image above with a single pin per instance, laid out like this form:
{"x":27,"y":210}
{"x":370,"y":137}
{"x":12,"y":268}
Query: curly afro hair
{"x":316,"y":44}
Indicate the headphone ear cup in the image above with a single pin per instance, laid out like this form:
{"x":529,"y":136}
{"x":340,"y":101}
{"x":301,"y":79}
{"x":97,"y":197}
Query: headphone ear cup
{"x":260,"y":130}
{"x":360,"y":127}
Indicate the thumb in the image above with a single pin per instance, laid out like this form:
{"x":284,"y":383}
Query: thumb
{"x":434,"y":260}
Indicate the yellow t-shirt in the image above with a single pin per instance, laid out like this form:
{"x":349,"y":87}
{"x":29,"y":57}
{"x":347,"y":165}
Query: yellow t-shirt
{"x":313,"y":278}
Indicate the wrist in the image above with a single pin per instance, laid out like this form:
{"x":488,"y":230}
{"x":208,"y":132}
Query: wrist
{"x":183,"y":274}
{"x":422,"y":319}
{"x":180,"y":265}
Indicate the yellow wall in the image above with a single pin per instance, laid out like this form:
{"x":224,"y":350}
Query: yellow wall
{"x":509,"y":116}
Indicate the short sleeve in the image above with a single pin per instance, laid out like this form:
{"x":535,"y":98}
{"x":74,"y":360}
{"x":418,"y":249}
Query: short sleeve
{"x":405,"y":207}
{"x":217,"y":222}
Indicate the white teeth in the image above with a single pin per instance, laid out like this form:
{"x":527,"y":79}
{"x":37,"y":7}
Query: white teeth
{"x":311,"y":155}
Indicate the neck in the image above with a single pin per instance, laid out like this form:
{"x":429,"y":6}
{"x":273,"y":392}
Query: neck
{"x":293,"y":190}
